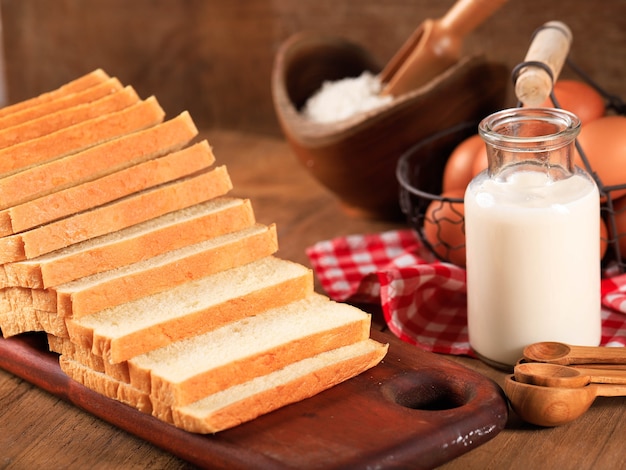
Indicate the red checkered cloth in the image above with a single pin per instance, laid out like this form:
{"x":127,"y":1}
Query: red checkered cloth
{"x":423,"y":299}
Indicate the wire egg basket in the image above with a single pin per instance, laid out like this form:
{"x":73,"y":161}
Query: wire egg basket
{"x":419,"y":189}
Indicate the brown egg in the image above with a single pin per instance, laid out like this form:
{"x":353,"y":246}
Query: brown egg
{"x":444,"y":228}
{"x":604,"y":143}
{"x":458,"y":171}
{"x":579,"y":98}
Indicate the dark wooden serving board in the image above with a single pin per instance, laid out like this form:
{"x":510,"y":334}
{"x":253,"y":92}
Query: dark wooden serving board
{"x":415,"y":409}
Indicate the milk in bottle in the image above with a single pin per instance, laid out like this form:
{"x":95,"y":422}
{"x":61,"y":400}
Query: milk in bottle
{"x":532,"y":225}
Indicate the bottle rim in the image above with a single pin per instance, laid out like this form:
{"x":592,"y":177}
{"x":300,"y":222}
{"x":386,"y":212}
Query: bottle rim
{"x":530,"y":128}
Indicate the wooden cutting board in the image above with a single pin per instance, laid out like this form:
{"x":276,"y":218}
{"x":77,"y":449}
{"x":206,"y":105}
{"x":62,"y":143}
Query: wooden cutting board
{"x":415,"y":409}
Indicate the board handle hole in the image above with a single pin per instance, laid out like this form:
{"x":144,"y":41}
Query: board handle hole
{"x":424,"y":391}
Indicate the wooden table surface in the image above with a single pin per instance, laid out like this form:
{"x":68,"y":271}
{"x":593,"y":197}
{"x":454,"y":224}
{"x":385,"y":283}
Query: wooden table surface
{"x":38,"y":429}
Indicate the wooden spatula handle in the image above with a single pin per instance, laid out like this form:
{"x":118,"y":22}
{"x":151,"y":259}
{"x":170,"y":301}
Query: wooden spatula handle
{"x":467,"y":15}
{"x":550,"y":47}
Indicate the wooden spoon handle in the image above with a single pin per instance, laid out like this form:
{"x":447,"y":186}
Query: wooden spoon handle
{"x":609,"y":390}
{"x":550,"y":47}
{"x":604,"y":376}
{"x":467,"y":15}
{"x":596,"y":355}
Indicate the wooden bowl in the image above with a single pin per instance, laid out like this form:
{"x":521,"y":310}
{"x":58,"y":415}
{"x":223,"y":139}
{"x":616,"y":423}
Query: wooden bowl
{"x":356,"y":158}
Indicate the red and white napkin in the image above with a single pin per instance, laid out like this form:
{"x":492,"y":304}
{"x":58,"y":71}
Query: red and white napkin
{"x":422,"y":298}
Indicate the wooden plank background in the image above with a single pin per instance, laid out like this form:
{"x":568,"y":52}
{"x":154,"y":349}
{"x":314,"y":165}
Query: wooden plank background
{"x":214,"y":58}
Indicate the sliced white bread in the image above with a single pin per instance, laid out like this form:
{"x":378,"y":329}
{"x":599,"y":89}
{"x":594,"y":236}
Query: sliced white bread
{"x":194,"y":367}
{"x":96,"y":161}
{"x":293,"y":383}
{"x":106,"y":189}
{"x":106,"y":385}
{"x":87,"y":95}
{"x":58,"y":120}
{"x":135,"y":243}
{"x":80,"y":136}
{"x":154,"y":288}
{"x":131,"y":210}
{"x":246,"y":401}
{"x":64,"y":347}
{"x":89,"y":295}
{"x":123,"y":332}
{"x":15,"y":322}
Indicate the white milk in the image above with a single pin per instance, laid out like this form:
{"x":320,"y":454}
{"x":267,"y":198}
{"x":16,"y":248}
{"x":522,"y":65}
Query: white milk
{"x":533,"y":263}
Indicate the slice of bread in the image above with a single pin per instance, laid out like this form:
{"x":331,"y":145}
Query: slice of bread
{"x":194,"y":367}
{"x":79,"y":84}
{"x":295,"y":382}
{"x":135,"y":243}
{"x":106,"y":189}
{"x":80,"y":136}
{"x":88,"y":95}
{"x":50,"y":123}
{"x":193,"y":308}
{"x":97,"y":161}
{"x":89,"y":295}
{"x":117,"y":215}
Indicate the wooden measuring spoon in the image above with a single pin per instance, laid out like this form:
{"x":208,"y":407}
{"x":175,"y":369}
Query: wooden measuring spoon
{"x":556,"y":375}
{"x":434,"y":46}
{"x":555,"y":406}
{"x":561,"y":353}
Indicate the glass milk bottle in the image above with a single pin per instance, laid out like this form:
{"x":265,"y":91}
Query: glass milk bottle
{"x":532,"y":226}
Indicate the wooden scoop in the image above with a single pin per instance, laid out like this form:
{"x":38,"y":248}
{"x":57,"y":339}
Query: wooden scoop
{"x":560,"y":353}
{"x":554,"y":406}
{"x":556,"y":375}
{"x":434,"y":47}
{"x":543,"y":63}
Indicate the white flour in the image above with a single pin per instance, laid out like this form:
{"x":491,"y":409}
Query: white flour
{"x":344,"y":98}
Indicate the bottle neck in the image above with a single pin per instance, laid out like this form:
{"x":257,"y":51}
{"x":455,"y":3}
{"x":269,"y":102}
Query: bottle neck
{"x":530,"y":139}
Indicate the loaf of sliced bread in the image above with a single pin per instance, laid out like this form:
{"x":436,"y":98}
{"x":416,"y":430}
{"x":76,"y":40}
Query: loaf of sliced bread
{"x":193,"y":308}
{"x":138,"y":242}
{"x":117,"y":240}
{"x":97,"y":161}
{"x":116,"y":215}
{"x":88,"y":95}
{"x":67,"y":117}
{"x":79,"y":84}
{"x":80,"y":136}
